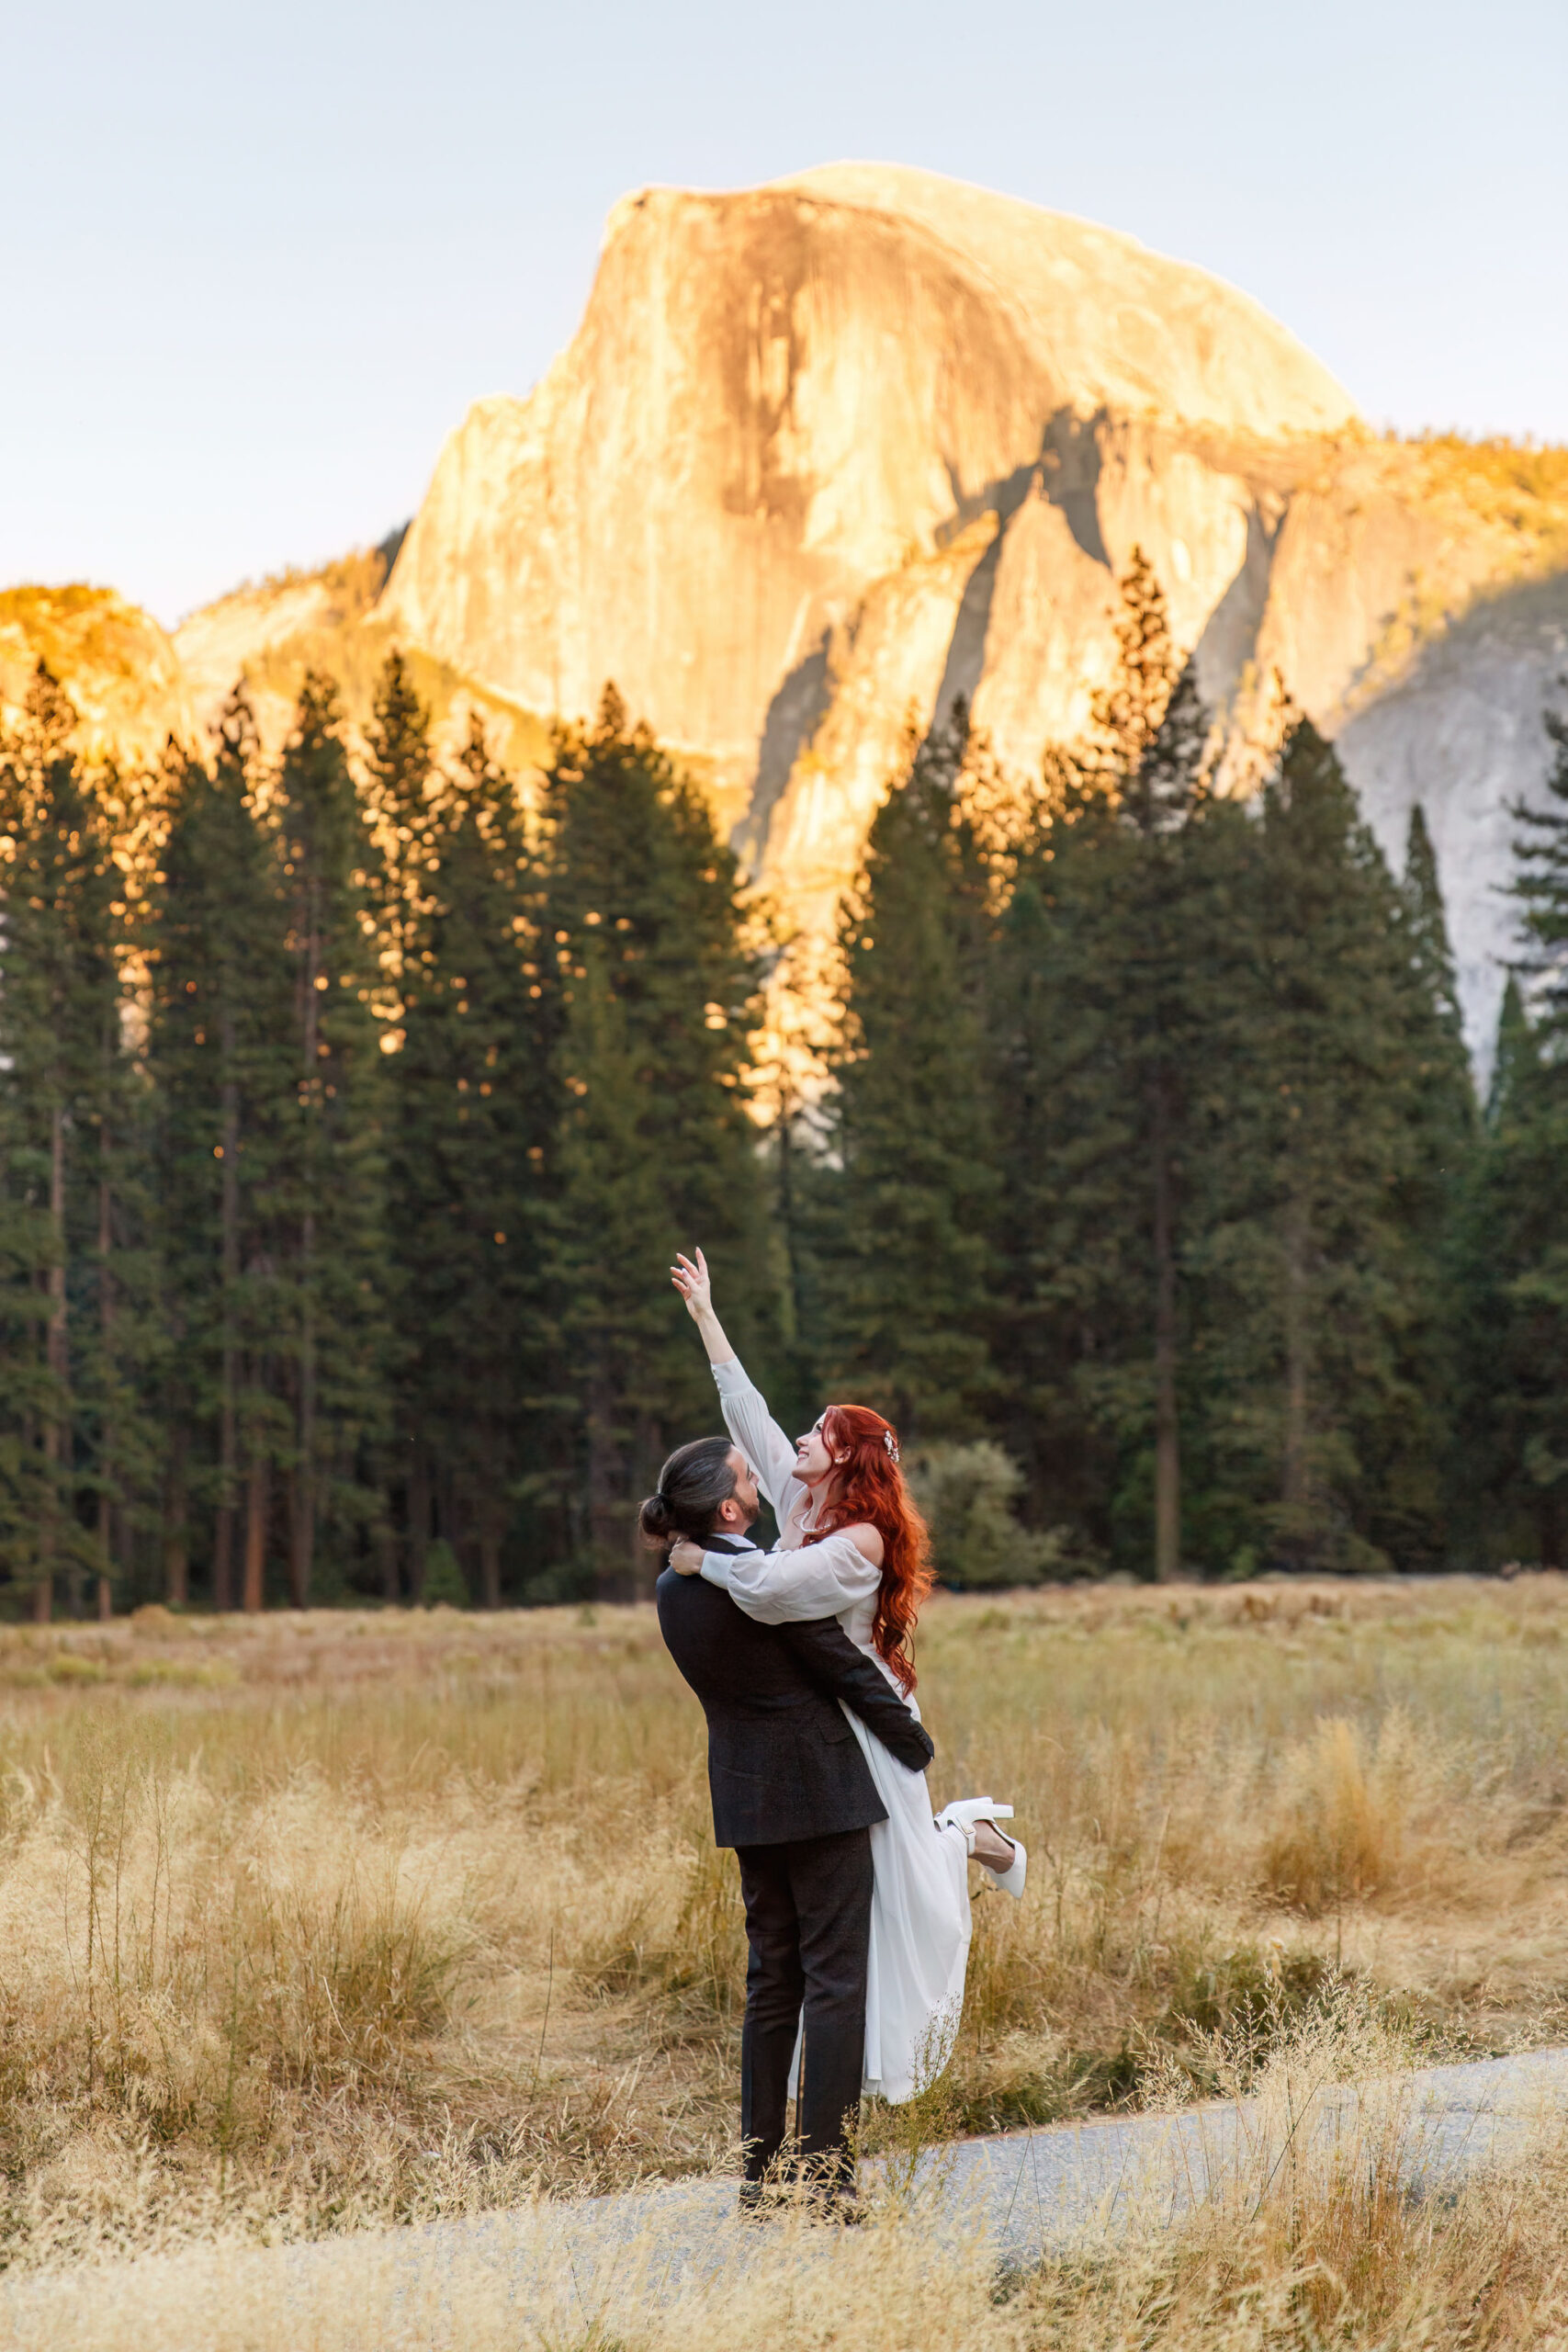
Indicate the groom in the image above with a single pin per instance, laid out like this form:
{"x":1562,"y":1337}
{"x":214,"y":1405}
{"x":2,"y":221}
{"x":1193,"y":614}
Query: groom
{"x":791,"y":1794}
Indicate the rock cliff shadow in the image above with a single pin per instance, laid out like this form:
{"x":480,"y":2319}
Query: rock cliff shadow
{"x":966,"y":660}
{"x":1229,"y":639}
{"x":1070,"y":477}
{"x":966,"y":648}
{"x":795,"y":712}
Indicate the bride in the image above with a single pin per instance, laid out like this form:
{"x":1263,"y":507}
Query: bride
{"x":853,"y":1546}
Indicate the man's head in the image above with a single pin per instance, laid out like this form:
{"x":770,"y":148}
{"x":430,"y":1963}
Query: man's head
{"x":706,"y":1489}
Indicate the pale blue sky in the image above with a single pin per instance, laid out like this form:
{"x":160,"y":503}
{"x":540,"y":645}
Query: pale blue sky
{"x":260,"y":259}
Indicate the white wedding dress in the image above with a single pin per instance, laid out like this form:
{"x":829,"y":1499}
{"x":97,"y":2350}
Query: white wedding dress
{"x":919,"y":1906}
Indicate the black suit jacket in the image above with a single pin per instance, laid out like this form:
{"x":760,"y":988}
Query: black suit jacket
{"x":782,"y":1763}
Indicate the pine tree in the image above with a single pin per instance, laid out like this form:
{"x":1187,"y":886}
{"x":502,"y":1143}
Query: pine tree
{"x":647,"y":992}
{"x":618,"y":1353}
{"x":1325,"y":1365}
{"x":1129,"y":713}
{"x":123,"y":1439}
{"x":903,"y":1244}
{"x":1116,"y":958}
{"x":1060,"y":1236}
{"x":403,"y":797}
{"x":1153,"y":730}
{"x":1514,"y":1267}
{"x":1515,"y":1055}
{"x":331,"y":1240}
{"x":1447,"y":1136}
{"x":74,"y":1441}
{"x":469,"y":1120}
{"x":402,"y":800}
{"x":221,"y":1058}
{"x":1513,"y":1341}
{"x":1428,"y":925}
{"x":1541,"y":885}
{"x":1445,"y":1093}
{"x":1164,"y":968}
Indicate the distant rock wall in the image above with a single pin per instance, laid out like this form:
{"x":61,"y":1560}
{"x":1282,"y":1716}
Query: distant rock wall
{"x":777,"y":400}
{"x":1460,"y":732}
{"x":825,"y":454}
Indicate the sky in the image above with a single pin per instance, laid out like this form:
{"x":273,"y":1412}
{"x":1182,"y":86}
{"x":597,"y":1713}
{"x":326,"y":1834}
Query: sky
{"x":260,"y":260}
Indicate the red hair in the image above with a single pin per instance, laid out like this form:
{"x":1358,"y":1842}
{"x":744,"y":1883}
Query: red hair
{"x":869,"y":1491}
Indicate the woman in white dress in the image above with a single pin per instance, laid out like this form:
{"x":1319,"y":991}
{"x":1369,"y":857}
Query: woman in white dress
{"x":853,"y":1546}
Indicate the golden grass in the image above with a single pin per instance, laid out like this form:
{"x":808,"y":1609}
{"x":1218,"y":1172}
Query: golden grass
{"x":311,"y":1923}
{"x":1307,"y":2236}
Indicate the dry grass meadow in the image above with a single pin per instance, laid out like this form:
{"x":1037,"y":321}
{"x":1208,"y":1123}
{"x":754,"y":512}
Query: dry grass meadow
{"x":1306,"y":2243}
{"x":311,"y":1924}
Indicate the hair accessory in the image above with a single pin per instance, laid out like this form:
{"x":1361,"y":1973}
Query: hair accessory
{"x":891,"y":1442}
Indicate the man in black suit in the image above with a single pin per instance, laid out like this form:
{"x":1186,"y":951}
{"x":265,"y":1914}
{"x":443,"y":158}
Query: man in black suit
{"x":791,"y":1794}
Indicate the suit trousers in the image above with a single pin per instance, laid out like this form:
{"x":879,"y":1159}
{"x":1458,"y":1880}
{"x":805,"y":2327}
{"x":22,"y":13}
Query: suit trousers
{"x":809,"y":1929}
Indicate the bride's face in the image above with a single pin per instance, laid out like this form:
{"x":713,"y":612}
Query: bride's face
{"x":813,"y":1463}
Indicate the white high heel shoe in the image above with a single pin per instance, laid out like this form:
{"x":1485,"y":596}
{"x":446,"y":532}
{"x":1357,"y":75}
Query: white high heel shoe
{"x":962,"y":1815}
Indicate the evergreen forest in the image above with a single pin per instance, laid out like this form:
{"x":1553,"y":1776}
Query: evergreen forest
{"x":353,"y":1101}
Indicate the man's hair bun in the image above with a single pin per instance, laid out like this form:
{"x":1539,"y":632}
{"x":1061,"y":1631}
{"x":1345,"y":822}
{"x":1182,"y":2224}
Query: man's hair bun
{"x":655,"y":1521}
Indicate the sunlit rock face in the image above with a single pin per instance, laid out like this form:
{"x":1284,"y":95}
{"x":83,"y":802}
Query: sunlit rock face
{"x":825,"y":454}
{"x":231,"y":641}
{"x":121,"y":673}
{"x":781,"y":398}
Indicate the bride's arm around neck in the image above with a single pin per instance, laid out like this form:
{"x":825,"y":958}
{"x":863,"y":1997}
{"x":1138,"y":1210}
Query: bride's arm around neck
{"x":803,"y":1581}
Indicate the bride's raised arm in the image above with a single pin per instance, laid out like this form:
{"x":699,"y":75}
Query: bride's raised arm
{"x":745,"y":1409}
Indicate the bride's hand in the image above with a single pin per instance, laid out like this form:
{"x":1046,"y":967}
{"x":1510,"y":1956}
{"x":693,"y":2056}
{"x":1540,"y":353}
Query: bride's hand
{"x":697,"y":1289}
{"x":695,"y":1284}
{"x":686,"y":1559}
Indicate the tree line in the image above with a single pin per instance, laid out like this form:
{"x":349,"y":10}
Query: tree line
{"x":1158,"y":1158}
{"x":350,"y":1111}
{"x":344,"y":1134}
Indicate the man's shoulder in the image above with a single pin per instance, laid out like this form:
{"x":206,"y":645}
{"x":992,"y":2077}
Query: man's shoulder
{"x":691,"y":1595}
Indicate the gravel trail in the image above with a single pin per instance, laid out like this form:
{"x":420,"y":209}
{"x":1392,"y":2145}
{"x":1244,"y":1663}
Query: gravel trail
{"x":1026,"y":2192}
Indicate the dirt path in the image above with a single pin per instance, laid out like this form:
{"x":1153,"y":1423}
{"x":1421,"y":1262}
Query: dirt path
{"x":563,"y":2265}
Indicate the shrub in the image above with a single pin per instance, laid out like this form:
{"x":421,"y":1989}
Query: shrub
{"x":67,"y":1666}
{"x":445,"y":1586}
{"x":967,"y":1493}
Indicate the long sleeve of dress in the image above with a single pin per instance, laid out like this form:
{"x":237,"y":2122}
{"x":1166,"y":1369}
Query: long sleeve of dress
{"x":758,"y":1436}
{"x":783,"y":1588}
